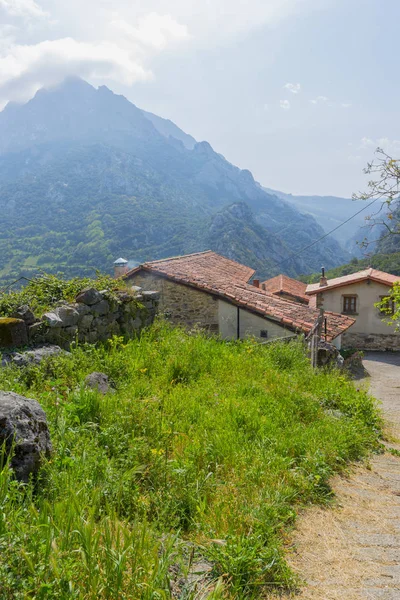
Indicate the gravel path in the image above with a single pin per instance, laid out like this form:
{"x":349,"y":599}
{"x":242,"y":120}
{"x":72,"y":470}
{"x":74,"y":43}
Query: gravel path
{"x":353,"y":552}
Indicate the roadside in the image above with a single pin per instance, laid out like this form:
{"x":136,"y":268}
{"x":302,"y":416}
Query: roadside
{"x":353,"y":552}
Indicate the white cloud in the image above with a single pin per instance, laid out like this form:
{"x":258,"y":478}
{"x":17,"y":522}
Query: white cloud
{"x":100,"y":39}
{"x":320,"y":100}
{"x":154,"y":30}
{"x":388,"y":145}
{"x":121,"y":53}
{"x":22,"y":8}
{"x":391,"y":146}
{"x":366,"y":142}
{"x":284,"y":104}
{"x":266,"y":107}
{"x":295,"y":88}
{"x":345,"y":105}
{"x":25,"y":69}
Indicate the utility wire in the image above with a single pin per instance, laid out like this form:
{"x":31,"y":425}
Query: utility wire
{"x":325,"y":235}
{"x":278,"y":263}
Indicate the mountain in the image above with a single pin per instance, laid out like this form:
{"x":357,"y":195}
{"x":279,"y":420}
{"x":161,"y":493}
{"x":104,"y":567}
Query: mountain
{"x":86,"y":176}
{"x":168,"y":129}
{"x":330,"y":212}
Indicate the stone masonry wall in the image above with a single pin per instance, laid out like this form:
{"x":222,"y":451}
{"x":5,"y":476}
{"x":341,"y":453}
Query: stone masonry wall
{"x":372,"y":341}
{"x":182,"y":305}
{"x":95,"y":316}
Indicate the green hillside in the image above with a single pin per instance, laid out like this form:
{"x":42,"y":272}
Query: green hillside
{"x":86,"y":177}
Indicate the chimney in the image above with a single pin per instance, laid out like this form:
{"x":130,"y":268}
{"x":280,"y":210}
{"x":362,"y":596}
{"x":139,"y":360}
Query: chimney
{"x":120,"y":268}
{"x":323,"y":281}
{"x":256,"y":283}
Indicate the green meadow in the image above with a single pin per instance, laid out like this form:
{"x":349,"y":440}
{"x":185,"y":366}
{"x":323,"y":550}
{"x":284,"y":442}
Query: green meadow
{"x":199,"y":459}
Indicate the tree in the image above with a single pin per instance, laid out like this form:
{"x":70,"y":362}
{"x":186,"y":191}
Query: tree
{"x":385,"y":188}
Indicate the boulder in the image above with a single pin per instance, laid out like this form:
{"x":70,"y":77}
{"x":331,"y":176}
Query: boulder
{"x":37,"y":331}
{"x":86,"y":322}
{"x":354,"y":366}
{"x":23,"y":423}
{"x":328,"y":355}
{"x":35,"y":356}
{"x":89,"y":296}
{"x":99,"y":382}
{"x":81,"y":309}
{"x":13,"y":333}
{"x":68,"y":315}
{"x":24,"y":313}
{"x":101,"y":308}
{"x":51,"y":319}
{"x":125,"y":296}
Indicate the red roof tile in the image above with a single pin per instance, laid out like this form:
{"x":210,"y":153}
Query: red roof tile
{"x":228,"y":279}
{"x":371,"y":274}
{"x":281,"y":284}
{"x":200,"y":267}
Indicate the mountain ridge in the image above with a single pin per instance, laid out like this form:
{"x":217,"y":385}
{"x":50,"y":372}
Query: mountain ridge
{"x":75,"y":156}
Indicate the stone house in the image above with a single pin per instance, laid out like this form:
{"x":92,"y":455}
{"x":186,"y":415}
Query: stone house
{"x":355,"y":296}
{"x":287,"y":288}
{"x":208,"y":291}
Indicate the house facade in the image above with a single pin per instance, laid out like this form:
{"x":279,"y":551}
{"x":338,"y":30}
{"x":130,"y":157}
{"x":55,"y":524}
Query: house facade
{"x":208,"y":291}
{"x":355,"y":295}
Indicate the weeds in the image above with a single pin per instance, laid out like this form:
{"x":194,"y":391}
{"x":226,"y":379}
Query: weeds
{"x":45,"y":291}
{"x":204,"y":444}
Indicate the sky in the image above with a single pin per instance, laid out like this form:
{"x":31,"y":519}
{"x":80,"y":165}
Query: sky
{"x":301,"y":92}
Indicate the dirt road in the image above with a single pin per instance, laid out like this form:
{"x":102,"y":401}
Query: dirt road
{"x":353,"y":551}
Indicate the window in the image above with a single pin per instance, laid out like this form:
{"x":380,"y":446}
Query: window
{"x":349,"y":305}
{"x":263,"y":333}
{"x":389,"y":307}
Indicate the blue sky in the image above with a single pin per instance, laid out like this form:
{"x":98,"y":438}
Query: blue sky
{"x":300,"y":92}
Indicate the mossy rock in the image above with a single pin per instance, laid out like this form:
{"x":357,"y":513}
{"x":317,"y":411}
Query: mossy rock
{"x":13,"y":333}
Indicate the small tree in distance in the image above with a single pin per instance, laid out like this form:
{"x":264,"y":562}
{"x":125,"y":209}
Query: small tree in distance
{"x":385,"y":188}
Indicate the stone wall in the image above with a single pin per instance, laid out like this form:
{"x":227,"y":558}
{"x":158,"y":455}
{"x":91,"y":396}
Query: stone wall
{"x":373,"y":341}
{"x":95,"y":316}
{"x":181,"y":304}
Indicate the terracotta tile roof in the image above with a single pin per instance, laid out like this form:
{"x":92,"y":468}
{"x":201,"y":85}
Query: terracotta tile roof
{"x":227,"y":279}
{"x":281,"y":284}
{"x":200,"y":266}
{"x":371,"y":274}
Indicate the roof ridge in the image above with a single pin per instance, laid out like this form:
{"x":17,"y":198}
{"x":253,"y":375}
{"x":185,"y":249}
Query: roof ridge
{"x":365,"y":274}
{"x":177,"y":257}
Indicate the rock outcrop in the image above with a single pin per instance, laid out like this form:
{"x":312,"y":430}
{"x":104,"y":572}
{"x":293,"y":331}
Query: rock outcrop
{"x":24,"y":433}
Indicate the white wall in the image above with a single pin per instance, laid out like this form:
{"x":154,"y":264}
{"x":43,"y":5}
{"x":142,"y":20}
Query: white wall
{"x":369,"y":320}
{"x":250,"y":324}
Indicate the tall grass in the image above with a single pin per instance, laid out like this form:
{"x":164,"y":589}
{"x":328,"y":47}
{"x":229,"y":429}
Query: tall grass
{"x":203,"y":454}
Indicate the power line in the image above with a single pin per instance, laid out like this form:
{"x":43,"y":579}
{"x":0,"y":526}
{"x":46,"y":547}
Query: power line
{"x":305,"y":247}
{"x":325,"y":235}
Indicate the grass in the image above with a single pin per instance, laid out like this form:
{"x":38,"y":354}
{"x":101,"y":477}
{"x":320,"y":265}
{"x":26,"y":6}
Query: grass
{"x":204,"y":453}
